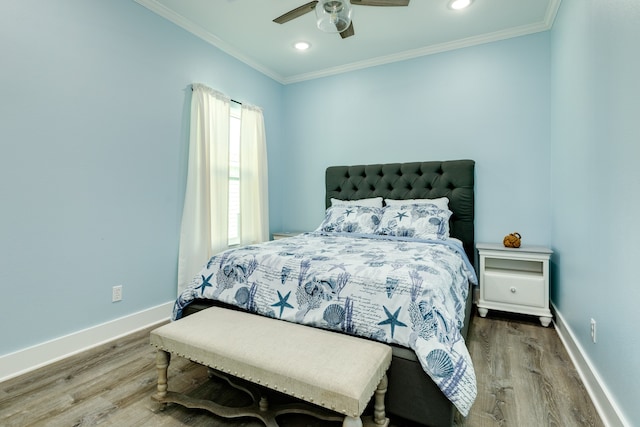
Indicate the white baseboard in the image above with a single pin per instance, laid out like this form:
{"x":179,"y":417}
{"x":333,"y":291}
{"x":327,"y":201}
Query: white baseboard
{"x":602,"y":399}
{"x":28,"y":359}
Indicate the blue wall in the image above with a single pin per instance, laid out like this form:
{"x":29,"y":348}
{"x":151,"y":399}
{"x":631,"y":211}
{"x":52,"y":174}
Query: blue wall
{"x":94,"y":113}
{"x":489,"y":103}
{"x":595,"y":180}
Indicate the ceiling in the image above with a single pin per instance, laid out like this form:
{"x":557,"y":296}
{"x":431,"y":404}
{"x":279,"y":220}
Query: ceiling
{"x":245,"y":30}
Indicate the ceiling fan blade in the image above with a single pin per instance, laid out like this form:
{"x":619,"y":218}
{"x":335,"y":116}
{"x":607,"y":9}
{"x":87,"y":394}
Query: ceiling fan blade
{"x":380,"y":2}
{"x":296,"y":13}
{"x":348,"y":32}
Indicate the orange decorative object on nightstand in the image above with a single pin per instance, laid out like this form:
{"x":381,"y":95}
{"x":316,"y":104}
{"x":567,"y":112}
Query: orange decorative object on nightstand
{"x":512,"y":240}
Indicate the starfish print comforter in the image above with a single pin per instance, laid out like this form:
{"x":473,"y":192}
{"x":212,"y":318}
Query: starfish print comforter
{"x":392,"y":289}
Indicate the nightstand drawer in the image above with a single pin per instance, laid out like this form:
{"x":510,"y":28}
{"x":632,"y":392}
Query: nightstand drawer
{"x":510,"y":288}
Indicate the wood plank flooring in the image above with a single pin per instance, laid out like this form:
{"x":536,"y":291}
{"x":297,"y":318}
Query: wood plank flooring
{"x":524,"y":375}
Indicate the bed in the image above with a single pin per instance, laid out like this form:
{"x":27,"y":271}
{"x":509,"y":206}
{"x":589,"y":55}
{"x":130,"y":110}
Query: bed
{"x":431,"y":376}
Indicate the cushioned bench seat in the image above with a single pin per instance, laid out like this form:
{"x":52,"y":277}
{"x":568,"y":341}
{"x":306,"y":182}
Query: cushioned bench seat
{"x":334,"y":371}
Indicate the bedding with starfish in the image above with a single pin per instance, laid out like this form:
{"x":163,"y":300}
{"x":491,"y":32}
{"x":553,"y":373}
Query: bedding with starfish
{"x":396,"y":290}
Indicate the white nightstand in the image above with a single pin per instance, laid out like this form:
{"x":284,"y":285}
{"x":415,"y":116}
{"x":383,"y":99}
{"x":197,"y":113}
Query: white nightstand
{"x":514,"y":280}
{"x":284,"y":234}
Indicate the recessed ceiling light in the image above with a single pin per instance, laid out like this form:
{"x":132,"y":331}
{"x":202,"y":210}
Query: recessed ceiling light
{"x":459,"y":4}
{"x":302,"y":45}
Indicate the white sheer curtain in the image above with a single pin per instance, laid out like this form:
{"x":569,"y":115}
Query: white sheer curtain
{"x":204,"y":229}
{"x":254,"y":197}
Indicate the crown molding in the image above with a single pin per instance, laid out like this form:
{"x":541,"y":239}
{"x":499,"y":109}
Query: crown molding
{"x":416,"y":53}
{"x":552,"y":11}
{"x":205,"y":35}
{"x":212,"y":39}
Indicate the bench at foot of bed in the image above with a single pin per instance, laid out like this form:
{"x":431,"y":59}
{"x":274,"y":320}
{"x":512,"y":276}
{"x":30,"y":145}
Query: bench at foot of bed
{"x":333,"y":375}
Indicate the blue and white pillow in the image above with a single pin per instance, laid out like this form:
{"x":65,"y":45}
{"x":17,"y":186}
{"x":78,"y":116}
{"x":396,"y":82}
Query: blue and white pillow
{"x":418,"y":221}
{"x":351,"y":219}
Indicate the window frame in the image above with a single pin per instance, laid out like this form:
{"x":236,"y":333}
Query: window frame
{"x":233,"y":205}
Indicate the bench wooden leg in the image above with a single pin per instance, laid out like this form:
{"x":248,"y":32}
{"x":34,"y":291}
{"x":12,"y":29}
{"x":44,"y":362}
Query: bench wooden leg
{"x":379,"y":413}
{"x":162,"y":365}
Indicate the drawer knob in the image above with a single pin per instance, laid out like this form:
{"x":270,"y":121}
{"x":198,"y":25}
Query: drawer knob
{"x":513,"y":290}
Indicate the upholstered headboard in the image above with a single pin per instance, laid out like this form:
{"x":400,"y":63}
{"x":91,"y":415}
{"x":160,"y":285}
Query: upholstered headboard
{"x":420,"y":180}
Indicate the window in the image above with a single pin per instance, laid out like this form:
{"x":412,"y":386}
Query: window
{"x":234,"y":174}
{"x":211,"y":218}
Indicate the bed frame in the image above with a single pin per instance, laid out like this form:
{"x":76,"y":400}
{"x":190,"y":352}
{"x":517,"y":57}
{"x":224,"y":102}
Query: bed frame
{"x":411,"y":395}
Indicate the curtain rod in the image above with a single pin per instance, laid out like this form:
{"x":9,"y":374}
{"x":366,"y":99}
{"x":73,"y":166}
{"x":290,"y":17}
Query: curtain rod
{"x":232,"y":100}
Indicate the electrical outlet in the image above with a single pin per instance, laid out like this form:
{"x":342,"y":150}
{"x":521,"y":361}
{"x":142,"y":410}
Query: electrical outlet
{"x":116,"y":293}
{"x":593,"y":330}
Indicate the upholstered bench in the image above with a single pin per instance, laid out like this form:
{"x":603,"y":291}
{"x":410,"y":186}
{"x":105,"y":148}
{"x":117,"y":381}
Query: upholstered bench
{"x":336,"y":373}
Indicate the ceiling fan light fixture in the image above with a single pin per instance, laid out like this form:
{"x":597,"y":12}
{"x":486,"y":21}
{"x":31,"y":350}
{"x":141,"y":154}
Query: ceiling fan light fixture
{"x":333,"y":16}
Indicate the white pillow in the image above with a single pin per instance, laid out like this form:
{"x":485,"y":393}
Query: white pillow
{"x":441,"y":202}
{"x":374,"y":202}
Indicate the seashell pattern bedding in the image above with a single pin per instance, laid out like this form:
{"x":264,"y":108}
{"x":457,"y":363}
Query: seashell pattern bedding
{"x":396,"y":290}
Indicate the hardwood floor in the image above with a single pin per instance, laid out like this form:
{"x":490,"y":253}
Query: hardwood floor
{"x":524,"y":375}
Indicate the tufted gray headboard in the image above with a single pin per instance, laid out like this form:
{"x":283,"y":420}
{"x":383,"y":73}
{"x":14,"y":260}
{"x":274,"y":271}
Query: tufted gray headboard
{"x":420,"y":180}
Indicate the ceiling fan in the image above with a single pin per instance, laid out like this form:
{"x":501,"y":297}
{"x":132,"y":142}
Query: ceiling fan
{"x":335,"y":15}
